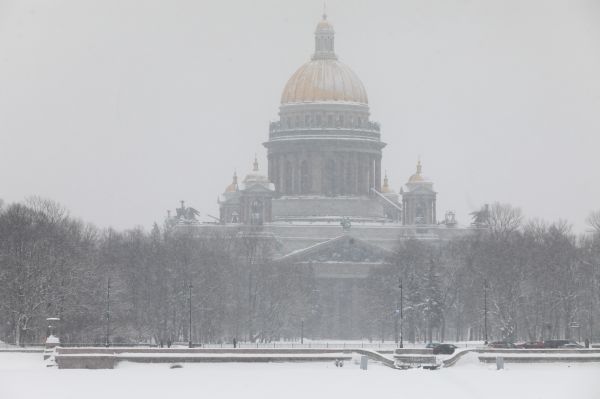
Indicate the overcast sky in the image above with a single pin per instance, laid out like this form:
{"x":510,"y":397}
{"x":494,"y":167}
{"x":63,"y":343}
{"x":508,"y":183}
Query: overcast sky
{"x":119,"y":109}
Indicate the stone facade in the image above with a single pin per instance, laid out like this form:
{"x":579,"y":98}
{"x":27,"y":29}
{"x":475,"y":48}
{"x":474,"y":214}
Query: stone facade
{"x":324,"y":167}
{"x":419,"y":200}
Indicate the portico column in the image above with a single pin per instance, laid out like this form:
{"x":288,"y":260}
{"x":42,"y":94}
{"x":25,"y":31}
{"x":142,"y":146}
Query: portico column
{"x":281,"y":167}
{"x":356,"y":176}
{"x":378,"y":174}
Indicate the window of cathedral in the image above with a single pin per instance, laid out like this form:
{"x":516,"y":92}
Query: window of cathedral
{"x":329,"y":120}
{"x":318,"y":120}
{"x":287,"y":189}
{"x":256,"y":213}
{"x":330,"y":178}
{"x":307,"y":120}
{"x":305,"y":181}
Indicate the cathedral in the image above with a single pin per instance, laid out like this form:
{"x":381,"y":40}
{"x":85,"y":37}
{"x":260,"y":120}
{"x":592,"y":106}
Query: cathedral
{"x":322,"y":198}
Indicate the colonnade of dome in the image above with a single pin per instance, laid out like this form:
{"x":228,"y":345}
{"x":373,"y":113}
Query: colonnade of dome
{"x":324,"y":143}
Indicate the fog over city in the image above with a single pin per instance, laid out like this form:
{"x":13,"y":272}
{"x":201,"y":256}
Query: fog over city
{"x":277,"y":198}
{"x":119,"y":109}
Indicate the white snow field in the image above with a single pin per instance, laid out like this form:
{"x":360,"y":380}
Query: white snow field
{"x":24,"y":375}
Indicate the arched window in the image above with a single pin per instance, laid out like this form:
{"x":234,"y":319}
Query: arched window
{"x":288,"y":178}
{"x":420,"y":213}
{"x":329,"y":180}
{"x":256,"y":213}
{"x":305,"y":180}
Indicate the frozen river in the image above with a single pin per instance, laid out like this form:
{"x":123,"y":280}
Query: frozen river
{"x":23,"y":375}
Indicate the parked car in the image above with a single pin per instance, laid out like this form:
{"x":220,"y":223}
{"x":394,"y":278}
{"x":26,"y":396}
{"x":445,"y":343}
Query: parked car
{"x":530,"y":345}
{"x":557,"y":343}
{"x":431,"y":345}
{"x":573,"y":345}
{"x":501,"y":344}
{"x":444,"y":349}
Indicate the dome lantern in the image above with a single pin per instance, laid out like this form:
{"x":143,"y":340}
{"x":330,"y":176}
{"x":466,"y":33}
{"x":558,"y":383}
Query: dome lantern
{"x":324,"y":41}
{"x":324,"y":78}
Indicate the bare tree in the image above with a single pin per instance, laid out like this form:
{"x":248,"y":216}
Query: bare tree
{"x":504,"y":219}
{"x":593,"y":220}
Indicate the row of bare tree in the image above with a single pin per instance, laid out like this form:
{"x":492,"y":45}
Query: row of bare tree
{"x":52,"y":265}
{"x":540,"y":281}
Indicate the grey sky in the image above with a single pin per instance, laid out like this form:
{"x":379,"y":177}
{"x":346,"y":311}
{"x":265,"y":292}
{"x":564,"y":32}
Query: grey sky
{"x":119,"y":109}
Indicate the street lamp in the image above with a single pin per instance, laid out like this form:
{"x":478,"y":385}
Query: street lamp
{"x":190,"y":306}
{"x":108,"y":313}
{"x":401,"y":314}
{"x":485,"y":288}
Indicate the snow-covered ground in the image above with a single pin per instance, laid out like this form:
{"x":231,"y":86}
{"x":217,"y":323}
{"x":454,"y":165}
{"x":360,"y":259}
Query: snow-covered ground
{"x":24,"y":375}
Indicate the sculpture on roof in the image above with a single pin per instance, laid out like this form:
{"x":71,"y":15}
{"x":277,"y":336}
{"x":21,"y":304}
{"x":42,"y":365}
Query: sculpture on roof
{"x":186,"y":215}
{"x":481,"y":217}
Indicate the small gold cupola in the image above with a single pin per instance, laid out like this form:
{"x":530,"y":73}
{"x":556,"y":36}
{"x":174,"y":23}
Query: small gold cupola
{"x":417,"y":177}
{"x":233,"y":187}
{"x":385,"y":189}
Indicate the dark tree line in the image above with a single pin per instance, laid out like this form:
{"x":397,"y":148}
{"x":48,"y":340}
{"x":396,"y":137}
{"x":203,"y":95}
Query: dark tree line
{"x":52,"y":265}
{"x":541,"y":280}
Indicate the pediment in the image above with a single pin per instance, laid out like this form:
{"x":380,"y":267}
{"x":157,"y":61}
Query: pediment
{"x":343,"y":249}
{"x":256,"y":188}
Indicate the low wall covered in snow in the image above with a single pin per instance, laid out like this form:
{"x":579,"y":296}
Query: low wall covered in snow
{"x":107,"y":358}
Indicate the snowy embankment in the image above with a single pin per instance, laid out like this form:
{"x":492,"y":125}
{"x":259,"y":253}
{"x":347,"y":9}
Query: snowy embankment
{"x":99,"y":358}
{"x":467,"y":379}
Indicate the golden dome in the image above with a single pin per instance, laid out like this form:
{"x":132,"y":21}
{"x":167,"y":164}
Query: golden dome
{"x":233,"y":187}
{"x":324,"y":80}
{"x":418,"y":177}
{"x":385,"y":189}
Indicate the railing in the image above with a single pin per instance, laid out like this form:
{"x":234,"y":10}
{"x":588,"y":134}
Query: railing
{"x":318,"y":133}
{"x":368,"y":126}
{"x":376,"y":346}
{"x":102,"y":344}
{"x":387,"y":200}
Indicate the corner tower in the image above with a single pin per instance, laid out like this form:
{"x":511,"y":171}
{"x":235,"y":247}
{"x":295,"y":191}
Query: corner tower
{"x":419,"y":200}
{"x":324,"y":144}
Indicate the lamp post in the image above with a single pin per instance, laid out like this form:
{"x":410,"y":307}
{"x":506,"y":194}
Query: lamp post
{"x":108,"y":313}
{"x":485,"y":332}
{"x":190,"y":308}
{"x":302,"y":331}
{"x":401,"y":313}
{"x":396,"y":313}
